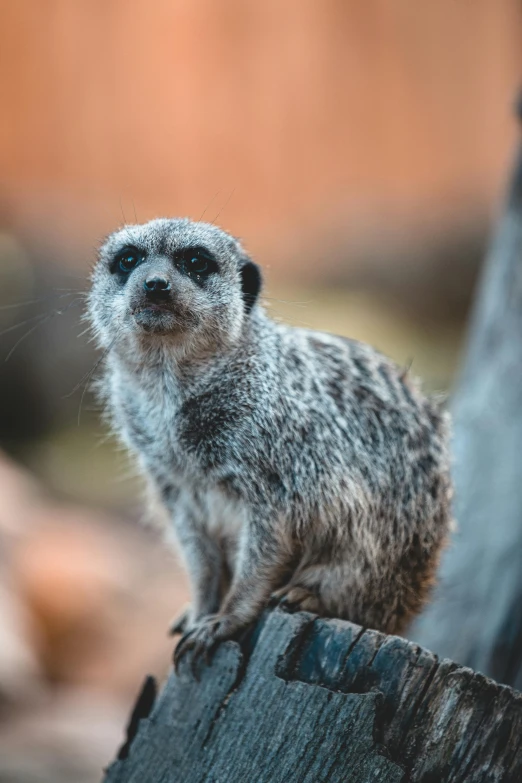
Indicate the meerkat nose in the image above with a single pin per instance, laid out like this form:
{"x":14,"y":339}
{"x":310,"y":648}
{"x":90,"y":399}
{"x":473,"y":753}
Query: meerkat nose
{"x":157,"y":288}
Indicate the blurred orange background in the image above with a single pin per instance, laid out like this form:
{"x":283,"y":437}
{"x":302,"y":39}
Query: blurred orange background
{"x":359,"y":150}
{"x":324,"y":124}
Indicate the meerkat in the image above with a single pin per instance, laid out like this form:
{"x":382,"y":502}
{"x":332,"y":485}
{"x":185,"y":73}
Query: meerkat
{"x":294,"y":465}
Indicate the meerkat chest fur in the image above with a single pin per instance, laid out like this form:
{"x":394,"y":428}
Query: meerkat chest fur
{"x":144,"y":407}
{"x":190,"y":433}
{"x":189,"y":429}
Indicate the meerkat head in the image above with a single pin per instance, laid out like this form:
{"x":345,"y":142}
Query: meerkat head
{"x":189,"y":285}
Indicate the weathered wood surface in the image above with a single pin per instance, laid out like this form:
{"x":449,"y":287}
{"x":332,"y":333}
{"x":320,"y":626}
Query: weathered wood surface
{"x":476,"y":615}
{"x":306,"y":700}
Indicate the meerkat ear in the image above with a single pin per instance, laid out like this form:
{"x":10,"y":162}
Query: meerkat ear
{"x":251,"y":281}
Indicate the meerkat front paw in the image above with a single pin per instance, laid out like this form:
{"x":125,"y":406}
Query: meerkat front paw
{"x":204,"y":637}
{"x":294,"y":598}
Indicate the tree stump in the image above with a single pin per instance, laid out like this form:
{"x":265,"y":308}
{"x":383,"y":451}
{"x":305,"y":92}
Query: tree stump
{"x":305,"y":700}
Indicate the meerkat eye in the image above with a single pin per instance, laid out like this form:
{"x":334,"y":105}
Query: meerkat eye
{"x":128,"y":259}
{"x":197,"y":265}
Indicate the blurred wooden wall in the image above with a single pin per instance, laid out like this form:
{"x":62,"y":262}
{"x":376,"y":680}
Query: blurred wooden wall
{"x":322,"y":116}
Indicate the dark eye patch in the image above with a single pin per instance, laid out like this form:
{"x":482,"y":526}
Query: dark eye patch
{"x":126,"y":260}
{"x":197,"y":263}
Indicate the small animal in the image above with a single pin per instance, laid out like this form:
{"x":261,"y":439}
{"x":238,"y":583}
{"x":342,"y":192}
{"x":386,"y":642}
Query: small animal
{"x":294,"y":465}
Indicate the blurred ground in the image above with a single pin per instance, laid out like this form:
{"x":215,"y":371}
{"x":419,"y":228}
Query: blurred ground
{"x":85,"y":600}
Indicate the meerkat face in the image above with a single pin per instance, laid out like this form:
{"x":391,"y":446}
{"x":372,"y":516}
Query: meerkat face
{"x":173,"y":280}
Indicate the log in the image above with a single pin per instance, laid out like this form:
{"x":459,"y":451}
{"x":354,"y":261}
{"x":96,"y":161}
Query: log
{"x":476,"y":615}
{"x":305,"y":700}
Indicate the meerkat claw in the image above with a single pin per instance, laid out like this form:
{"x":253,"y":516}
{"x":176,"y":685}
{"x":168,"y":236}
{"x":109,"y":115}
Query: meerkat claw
{"x":203,"y":640}
{"x":182,"y":647}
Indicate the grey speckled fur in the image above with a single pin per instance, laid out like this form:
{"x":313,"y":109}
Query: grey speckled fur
{"x":291,"y":462}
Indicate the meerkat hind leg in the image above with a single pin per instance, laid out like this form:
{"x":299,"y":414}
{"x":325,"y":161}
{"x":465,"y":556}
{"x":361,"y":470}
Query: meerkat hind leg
{"x":297,"y":598}
{"x":344,"y":591}
{"x":325,"y":590}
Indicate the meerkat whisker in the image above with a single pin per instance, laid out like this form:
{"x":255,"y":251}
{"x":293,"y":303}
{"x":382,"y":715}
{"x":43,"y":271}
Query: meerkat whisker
{"x":40,"y":321}
{"x":73,"y":291}
{"x":122,"y":212}
{"x":89,"y":373}
{"x":224,"y":205}
{"x":287,"y":301}
{"x":14,"y":305}
{"x":86,"y":378}
{"x":214,"y":197}
{"x":84,"y":332}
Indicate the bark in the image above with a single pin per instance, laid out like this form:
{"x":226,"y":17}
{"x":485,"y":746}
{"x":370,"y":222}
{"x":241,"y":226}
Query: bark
{"x":307,"y":700}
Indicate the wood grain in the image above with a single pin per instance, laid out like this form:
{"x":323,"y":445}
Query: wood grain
{"x":309,"y":700}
